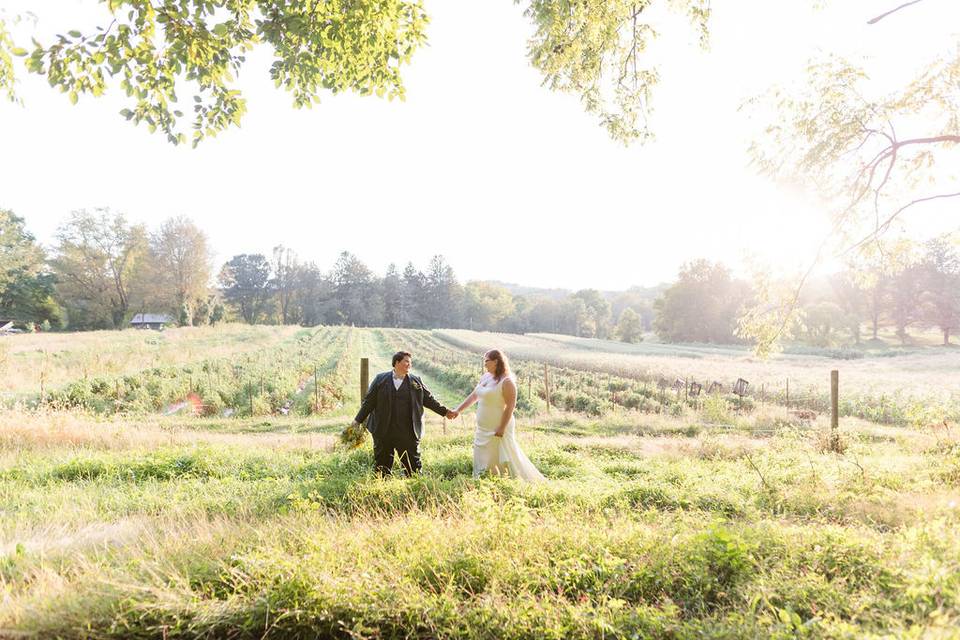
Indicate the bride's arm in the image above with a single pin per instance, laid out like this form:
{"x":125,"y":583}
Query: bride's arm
{"x":466,"y":403}
{"x":510,"y":397}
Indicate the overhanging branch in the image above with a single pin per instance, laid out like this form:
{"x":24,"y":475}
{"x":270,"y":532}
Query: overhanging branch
{"x":884,"y":15}
{"x":893,"y":216}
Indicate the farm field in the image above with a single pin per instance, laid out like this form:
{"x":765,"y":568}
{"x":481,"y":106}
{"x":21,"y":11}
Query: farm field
{"x":237,"y":514}
{"x":54,"y":359}
{"x":894,"y":385}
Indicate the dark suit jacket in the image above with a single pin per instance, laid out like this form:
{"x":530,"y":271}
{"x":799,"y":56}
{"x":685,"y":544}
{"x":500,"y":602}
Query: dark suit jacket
{"x":376,"y":404}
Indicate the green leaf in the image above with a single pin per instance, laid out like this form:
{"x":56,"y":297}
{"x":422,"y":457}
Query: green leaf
{"x":220,"y":29}
{"x":18,"y":51}
{"x":73,"y":97}
{"x":75,"y":33}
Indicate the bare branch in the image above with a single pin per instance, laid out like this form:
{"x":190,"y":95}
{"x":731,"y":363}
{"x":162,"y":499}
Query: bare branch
{"x":886,"y":223}
{"x":884,"y":15}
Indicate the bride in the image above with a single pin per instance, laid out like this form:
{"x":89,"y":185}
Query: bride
{"x":495,"y":448}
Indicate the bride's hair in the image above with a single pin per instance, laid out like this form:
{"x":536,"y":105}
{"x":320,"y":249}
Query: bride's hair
{"x":503,"y":365}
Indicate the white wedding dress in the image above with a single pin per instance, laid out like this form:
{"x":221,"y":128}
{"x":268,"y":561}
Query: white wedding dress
{"x":501,"y":456}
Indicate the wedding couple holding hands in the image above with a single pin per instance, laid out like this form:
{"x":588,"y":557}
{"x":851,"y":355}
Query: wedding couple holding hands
{"x":393,"y":411}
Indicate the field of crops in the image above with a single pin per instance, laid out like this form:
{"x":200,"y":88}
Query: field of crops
{"x":205,"y":495}
{"x":911,"y":387}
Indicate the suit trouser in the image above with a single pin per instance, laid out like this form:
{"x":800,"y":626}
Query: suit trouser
{"x":401,"y":440}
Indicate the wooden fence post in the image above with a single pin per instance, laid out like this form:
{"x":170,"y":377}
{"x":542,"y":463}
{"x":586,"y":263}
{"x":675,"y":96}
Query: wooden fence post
{"x":546,"y":386}
{"x":834,"y":408}
{"x":364,"y":377}
{"x":316,"y":390}
{"x":788,"y":393}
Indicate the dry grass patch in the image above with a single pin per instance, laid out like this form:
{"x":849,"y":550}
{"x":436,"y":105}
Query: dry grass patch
{"x":24,"y":430}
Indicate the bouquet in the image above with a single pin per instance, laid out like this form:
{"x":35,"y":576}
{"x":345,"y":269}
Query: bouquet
{"x":353,"y":436}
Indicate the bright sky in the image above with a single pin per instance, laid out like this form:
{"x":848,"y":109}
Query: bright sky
{"x":505,"y":178}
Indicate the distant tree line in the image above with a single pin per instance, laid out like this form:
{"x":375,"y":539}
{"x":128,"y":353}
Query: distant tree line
{"x":283,"y":289}
{"x":895,"y":284}
{"x":102,"y":270}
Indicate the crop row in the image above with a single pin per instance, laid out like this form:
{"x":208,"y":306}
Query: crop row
{"x":587,"y":392}
{"x":256,"y":383}
{"x":628,"y":383}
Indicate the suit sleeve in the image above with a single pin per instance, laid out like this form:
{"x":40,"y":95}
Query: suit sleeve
{"x":369,"y":401}
{"x":431,"y":403}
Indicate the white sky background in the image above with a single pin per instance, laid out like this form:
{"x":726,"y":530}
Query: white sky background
{"x":505,"y":178}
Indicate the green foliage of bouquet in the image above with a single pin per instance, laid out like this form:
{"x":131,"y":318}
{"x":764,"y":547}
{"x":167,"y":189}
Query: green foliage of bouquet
{"x":353,"y":436}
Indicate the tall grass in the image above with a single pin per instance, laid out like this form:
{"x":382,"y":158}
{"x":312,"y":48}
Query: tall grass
{"x":649,"y":527}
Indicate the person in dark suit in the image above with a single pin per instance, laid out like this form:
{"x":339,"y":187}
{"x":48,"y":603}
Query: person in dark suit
{"x":393,"y":410}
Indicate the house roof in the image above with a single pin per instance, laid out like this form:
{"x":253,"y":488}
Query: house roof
{"x":151,"y":318}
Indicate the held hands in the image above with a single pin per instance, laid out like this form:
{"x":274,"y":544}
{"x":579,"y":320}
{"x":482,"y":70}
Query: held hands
{"x":499,"y":432}
{"x":451,"y":415}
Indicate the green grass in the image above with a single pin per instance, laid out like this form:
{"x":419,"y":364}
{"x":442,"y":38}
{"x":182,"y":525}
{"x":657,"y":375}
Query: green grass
{"x":646,"y":528}
{"x":688,"y":523}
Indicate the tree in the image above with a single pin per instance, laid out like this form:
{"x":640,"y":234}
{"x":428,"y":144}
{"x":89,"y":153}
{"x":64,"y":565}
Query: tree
{"x":217,"y":312}
{"x":26,"y":289}
{"x":284,"y":272}
{"x":312,"y":295}
{"x":444,"y":299}
{"x":245,"y":279}
{"x":852,"y":301}
{"x":94,"y":259}
{"x":874,"y":270}
{"x":160,"y":49}
{"x":545,"y":315}
{"x":486,"y":306}
{"x":412,"y":299}
{"x":839,"y":134}
{"x":941,"y":286}
{"x":355,"y":292}
{"x":594,"y":48}
{"x":903,"y":299}
{"x":519,"y":320}
{"x":639,"y":299}
{"x":392,"y":297}
{"x":629,"y":326}
{"x":180,"y":267}
{"x":701,"y":306}
{"x":820,"y":322}
{"x":575,"y":318}
{"x":598,"y":309}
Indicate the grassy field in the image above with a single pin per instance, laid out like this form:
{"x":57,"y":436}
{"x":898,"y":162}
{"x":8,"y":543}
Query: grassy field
{"x":654,"y":524}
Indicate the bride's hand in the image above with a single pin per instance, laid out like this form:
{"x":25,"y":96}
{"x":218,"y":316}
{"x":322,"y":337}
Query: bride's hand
{"x":499,"y":433}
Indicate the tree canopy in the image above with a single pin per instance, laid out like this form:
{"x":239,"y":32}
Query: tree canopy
{"x":162,"y":50}
{"x":26,"y":287}
{"x":869,"y":152}
{"x":95,"y":258}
